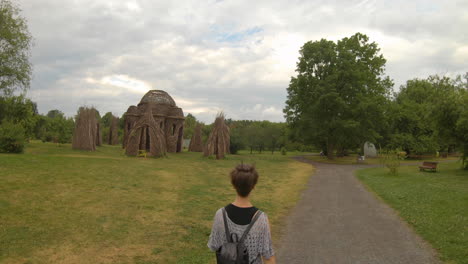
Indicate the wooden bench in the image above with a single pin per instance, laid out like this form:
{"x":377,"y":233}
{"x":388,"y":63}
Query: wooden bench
{"x":428,"y":165}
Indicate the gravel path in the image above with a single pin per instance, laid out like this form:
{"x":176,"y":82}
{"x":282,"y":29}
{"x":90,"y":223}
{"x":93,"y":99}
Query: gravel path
{"x":338,"y":221}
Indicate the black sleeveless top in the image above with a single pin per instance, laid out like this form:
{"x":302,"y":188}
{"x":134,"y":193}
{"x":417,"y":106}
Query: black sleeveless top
{"x":240,"y":215}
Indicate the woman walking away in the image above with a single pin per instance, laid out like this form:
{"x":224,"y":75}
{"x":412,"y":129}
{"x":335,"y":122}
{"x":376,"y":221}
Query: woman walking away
{"x":241,"y":232}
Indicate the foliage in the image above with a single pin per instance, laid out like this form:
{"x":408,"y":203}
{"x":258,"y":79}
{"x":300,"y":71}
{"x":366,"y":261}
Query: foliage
{"x":283,"y":151}
{"x":19,"y":110}
{"x":338,"y":97}
{"x":106,"y":120}
{"x":259,"y":135}
{"x":235,"y":141}
{"x":424,"y":113}
{"x":60,"y":130}
{"x":189,"y":126}
{"x":55,"y":114}
{"x":15,"y":44}
{"x":12,"y":137}
{"x":461,"y":129}
{"x":391,"y":160}
{"x":53,"y":127}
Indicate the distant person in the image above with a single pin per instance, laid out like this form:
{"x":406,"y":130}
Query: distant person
{"x":239,"y":216}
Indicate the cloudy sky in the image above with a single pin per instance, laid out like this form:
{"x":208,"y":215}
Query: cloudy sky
{"x":232,"y":55}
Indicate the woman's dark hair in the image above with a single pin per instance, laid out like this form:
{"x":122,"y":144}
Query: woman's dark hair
{"x":243,"y":178}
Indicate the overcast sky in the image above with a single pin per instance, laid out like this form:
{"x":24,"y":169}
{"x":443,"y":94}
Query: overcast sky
{"x":235,"y":56}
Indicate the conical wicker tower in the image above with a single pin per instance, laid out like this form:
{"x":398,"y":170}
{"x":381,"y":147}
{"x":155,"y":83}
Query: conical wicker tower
{"x":196,"y":143}
{"x":219,"y":139}
{"x":98,"y":135}
{"x":86,"y":131}
{"x":113,"y":138}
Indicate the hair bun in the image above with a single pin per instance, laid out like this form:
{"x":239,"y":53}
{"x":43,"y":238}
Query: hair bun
{"x":245,"y":168}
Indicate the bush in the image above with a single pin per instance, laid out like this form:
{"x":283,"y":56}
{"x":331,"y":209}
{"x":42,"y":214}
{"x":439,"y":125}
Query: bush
{"x":283,"y":151}
{"x":12,"y":138}
{"x":391,"y":160}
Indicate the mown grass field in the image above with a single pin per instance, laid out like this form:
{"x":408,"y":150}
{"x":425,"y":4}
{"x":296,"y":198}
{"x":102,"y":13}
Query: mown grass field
{"x":63,"y":206}
{"x":434,"y":204}
{"x":351,"y":159}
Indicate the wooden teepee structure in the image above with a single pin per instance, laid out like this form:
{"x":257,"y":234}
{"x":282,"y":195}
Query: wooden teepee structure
{"x":86,"y":131}
{"x":146,"y":136}
{"x":98,"y":135}
{"x":196,"y":143}
{"x":219,"y":139}
{"x":113,"y":137}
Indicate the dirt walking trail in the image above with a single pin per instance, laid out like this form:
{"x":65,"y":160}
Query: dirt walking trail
{"x":338,"y":221}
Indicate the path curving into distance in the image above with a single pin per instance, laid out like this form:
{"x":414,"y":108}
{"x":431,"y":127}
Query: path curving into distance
{"x":338,"y":221}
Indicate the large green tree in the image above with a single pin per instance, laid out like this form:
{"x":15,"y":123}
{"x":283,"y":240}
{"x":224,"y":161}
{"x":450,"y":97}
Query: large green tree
{"x":424,"y":115}
{"x":339,"y":96}
{"x":15,"y":44}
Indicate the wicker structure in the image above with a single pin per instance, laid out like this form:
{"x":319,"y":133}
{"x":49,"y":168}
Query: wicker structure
{"x":98,"y":135}
{"x":156,"y":125}
{"x":219,"y":140}
{"x":113,"y":137}
{"x":86,"y":133}
{"x":196,"y":144}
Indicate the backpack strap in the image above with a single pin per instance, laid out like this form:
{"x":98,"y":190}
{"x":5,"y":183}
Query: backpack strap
{"x":254,"y":219}
{"x":226,"y":228}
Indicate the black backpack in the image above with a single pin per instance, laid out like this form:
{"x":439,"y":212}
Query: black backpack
{"x":234,"y":251}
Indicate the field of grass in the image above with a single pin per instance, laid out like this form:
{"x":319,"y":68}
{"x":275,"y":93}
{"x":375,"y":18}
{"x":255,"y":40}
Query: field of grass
{"x":434,"y":204}
{"x":63,"y":206}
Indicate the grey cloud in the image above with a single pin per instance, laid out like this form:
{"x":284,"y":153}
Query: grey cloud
{"x":174,"y":45}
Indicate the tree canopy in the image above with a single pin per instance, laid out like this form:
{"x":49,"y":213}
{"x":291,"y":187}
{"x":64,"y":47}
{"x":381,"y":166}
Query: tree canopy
{"x":339,"y":95}
{"x":15,"y":44}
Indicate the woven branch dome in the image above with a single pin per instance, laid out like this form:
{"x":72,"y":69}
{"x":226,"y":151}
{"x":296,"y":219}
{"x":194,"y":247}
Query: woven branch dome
{"x":158,"y":97}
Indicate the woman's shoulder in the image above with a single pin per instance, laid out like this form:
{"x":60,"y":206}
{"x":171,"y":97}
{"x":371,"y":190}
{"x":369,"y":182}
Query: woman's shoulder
{"x":263,"y":217}
{"x":219,"y":213}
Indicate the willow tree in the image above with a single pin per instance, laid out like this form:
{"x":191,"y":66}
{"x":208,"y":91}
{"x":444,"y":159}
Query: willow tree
{"x":338,"y":98}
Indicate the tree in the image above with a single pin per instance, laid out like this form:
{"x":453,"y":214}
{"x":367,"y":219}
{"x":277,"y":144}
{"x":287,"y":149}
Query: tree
{"x":339,"y":95}
{"x":189,"y":125}
{"x":252,"y":136}
{"x":15,"y":44}
{"x":424,"y":115}
{"x":274,"y":134}
{"x":60,"y":129}
{"x":55,"y":113}
{"x":106,"y":119}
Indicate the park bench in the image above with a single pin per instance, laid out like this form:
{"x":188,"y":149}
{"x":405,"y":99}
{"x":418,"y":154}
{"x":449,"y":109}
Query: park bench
{"x":428,"y":165}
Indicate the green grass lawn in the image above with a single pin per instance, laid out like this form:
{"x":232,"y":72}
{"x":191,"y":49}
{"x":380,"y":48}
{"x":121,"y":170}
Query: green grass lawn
{"x":434,"y":204}
{"x":63,"y":206}
{"x":352,"y":159}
